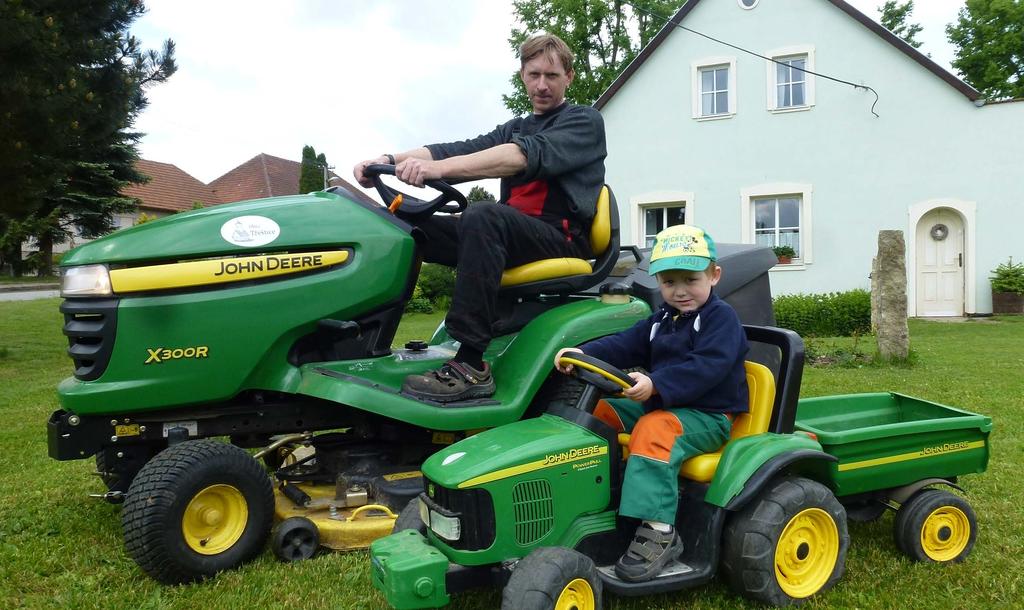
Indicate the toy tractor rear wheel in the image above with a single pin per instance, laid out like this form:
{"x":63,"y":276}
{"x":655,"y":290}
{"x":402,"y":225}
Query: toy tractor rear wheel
{"x":553,"y":578}
{"x":787,"y":544}
{"x":196,"y":509}
{"x":936,"y":525}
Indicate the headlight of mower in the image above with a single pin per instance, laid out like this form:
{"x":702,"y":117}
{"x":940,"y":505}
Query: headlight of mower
{"x":85,"y":281}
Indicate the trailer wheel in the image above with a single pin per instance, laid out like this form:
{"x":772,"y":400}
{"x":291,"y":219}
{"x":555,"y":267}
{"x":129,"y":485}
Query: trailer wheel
{"x":787,"y":544}
{"x":295,"y":539}
{"x":553,"y":577}
{"x":936,"y":525}
{"x":409,"y":519}
{"x":197,"y":508}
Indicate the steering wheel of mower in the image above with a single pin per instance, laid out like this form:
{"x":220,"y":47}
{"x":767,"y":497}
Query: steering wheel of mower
{"x":450,"y":201}
{"x":597,"y":373}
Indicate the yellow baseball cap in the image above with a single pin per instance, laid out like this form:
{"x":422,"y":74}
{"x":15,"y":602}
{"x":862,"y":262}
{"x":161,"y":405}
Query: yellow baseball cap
{"x":682,"y":247}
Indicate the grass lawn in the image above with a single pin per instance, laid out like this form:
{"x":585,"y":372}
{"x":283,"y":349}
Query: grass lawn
{"x":59,"y":548}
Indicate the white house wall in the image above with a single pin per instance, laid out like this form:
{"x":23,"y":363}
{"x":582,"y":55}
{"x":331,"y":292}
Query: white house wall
{"x":930,"y":144}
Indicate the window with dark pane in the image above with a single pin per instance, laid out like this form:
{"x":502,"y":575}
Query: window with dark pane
{"x":714,"y":90}
{"x":657,"y":219}
{"x":791,"y":81}
{"x":777,"y":222}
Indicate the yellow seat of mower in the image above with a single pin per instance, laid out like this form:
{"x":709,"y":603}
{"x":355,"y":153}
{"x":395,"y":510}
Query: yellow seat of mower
{"x":551,"y":268}
{"x":761,"y":383}
{"x":346,"y":528}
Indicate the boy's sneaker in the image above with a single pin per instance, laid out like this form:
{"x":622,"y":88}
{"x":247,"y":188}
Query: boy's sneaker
{"x":452,"y":382}
{"x":648,"y":554}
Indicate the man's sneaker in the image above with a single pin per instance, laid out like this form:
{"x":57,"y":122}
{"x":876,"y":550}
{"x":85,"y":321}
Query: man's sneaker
{"x":648,"y":554}
{"x":452,"y":382}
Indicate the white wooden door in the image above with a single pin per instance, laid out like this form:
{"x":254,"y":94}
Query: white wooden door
{"x":940,"y":264}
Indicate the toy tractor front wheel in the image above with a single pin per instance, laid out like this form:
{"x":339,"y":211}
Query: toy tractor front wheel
{"x":787,"y":544}
{"x":936,"y":525}
{"x":197,"y":508}
{"x":553,"y":578}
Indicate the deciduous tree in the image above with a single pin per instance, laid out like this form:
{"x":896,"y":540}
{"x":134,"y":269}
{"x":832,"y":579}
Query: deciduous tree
{"x":894,"y":18}
{"x":988,"y":40}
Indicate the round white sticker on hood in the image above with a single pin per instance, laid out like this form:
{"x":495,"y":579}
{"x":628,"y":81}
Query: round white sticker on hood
{"x":250,"y":231}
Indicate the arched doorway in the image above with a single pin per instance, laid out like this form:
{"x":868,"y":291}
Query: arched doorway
{"x":940,"y":263}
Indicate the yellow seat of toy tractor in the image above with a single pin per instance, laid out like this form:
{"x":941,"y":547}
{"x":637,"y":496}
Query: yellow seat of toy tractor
{"x":551,"y":268}
{"x":761,"y":384}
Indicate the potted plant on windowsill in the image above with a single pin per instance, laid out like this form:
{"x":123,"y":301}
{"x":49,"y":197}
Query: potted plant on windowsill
{"x":785,"y":254}
{"x":1008,"y":288}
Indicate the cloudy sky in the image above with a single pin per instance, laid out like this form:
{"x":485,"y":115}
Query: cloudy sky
{"x":352,"y":78}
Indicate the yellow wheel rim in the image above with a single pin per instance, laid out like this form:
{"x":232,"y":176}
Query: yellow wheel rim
{"x":806,"y":553}
{"x":215,"y":519}
{"x":945,"y":533}
{"x":577,"y":595}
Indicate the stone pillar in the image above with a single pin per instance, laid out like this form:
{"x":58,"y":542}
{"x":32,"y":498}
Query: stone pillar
{"x":890,"y":281}
{"x":874,"y":295}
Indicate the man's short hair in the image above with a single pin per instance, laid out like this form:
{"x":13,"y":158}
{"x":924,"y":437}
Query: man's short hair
{"x":546,"y":43}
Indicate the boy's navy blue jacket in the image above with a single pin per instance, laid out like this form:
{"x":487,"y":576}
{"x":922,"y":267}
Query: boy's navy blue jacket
{"x":695,"y":359}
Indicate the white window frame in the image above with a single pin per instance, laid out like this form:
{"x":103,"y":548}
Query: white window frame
{"x":772,"y":91}
{"x":745,"y":7}
{"x":695,"y":79}
{"x":659,"y":199}
{"x":781,"y":189}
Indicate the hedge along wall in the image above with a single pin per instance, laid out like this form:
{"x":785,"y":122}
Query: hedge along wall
{"x":836,"y":314}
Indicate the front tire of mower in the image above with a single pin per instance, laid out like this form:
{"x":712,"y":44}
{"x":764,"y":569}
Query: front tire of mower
{"x":553,"y":578}
{"x":196,"y":509}
{"x":787,"y":544}
{"x":409,"y":519}
{"x":936,"y":525}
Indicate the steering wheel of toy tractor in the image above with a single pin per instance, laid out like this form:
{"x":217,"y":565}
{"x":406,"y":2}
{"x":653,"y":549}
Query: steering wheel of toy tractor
{"x":450,"y":201}
{"x":598,"y":373}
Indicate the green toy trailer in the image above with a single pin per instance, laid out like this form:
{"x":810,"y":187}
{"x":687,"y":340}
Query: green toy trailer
{"x":531,"y":506}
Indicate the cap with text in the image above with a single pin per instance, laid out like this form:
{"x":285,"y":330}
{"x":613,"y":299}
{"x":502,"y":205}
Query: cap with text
{"x":682,"y":247}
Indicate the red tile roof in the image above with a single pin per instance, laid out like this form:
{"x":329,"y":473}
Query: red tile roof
{"x":170,"y":189}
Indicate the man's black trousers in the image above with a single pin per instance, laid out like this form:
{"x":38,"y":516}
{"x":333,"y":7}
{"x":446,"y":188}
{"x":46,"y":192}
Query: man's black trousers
{"x":488,"y":238}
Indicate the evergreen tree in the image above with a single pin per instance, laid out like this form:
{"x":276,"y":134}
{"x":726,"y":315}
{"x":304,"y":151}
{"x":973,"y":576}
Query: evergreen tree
{"x":311,"y":176}
{"x":894,"y":18}
{"x":72,"y":82}
{"x":988,"y":37}
{"x":605,"y":35}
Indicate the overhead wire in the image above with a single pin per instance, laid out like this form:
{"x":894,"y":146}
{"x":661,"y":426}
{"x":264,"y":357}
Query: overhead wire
{"x":756,"y":54}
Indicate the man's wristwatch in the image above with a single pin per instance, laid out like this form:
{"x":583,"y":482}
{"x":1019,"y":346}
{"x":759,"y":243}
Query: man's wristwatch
{"x":391,"y":158}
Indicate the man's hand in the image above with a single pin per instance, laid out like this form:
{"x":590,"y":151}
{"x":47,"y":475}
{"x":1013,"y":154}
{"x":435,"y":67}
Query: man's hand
{"x":562,"y":352}
{"x":360,"y":168}
{"x":417,"y":171}
{"x":643,"y":389}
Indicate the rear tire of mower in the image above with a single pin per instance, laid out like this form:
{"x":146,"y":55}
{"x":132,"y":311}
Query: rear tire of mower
{"x":787,"y":544}
{"x":196,"y":509}
{"x":553,"y":577}
{"x":937,"y":526}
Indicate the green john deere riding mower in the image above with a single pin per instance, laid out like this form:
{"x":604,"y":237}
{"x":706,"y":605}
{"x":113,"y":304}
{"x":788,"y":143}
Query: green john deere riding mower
{"x":268,"y":324}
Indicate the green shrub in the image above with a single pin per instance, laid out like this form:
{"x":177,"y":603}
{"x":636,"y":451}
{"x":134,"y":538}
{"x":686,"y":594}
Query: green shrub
{"x":1009,"y":277}
{"x":419,"y":303}
{"x":836,"y":314}
{"x":436,"y":282}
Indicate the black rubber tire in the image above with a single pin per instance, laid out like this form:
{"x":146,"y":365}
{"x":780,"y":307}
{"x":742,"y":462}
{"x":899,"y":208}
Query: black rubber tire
{"x":913,"y":515}
{"x":295,"y":539}
{"x":152,"y":517}
{"x":753,"y":534}
{"x":542,"y":576}
{"x":117,"y":475}
{"x":558,"y":389}
{"x":409,"y":519}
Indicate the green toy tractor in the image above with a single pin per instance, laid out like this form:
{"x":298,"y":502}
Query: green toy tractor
{"x":532,"y":506}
